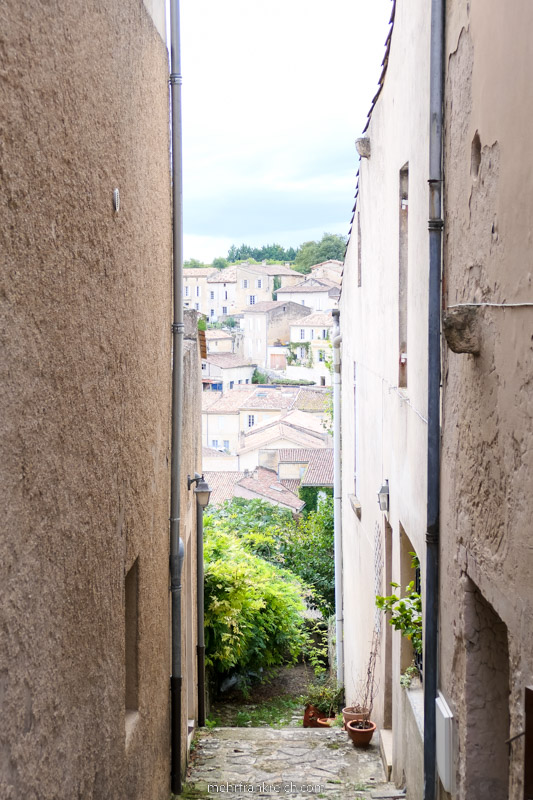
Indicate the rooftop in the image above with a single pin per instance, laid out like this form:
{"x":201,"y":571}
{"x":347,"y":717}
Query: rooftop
{"x":190,"y":272}
{"x":312,"y":399}
{"x":228,"y":402}
{"x":279,"y":398}
{"x":228,"y":360}
{"x":318,"y":319}
{"x":319,"y":464}
{"x":212,"y":334}
{"x":227,"y":275}
{"x":264,"y":482}
{"x":222,"y":484}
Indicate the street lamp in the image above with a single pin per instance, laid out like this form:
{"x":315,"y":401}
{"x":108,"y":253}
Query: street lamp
{"x":383,"y":497}
{"x":202,"y":492}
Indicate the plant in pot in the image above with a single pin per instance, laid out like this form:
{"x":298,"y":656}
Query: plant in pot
{"x":357,"y":721}
{"x":322,"y":701}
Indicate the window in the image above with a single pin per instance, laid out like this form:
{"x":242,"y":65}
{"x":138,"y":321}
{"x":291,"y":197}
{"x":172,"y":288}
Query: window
{"x":302,"y":333}
{"x":259,"y":283}
{"x":251,"y":300}
{"x":245,"y":283}
{"x":214,"y":443}
{"x":224,"y":309}
{"x":197,"y":306}
{"x":186,"y":291}
{"x":131,"y":598}
{"x":204,"y":365}
{"x":231,"y":384}
{"x":321,"y":355}
{"x":303,"y":353}
{"x":312,"y":334}
{"x":246,"y":381}
{"x":211,"y":295}
{"x":226,"y":444}
{"x":251,"y":420}
{"x":324,"y":333}
{"x":225,"y":294}
{"x":197,"y":291}
{"x":212,"y":312}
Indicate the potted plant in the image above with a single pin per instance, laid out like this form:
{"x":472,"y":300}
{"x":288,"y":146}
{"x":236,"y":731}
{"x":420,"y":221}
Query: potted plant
{"x":322,"y":701}
{"x":358,"y":724}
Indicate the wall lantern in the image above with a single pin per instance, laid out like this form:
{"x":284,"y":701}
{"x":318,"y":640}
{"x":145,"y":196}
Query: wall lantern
{"x":202,"y":489}
{"x":383,"y":497}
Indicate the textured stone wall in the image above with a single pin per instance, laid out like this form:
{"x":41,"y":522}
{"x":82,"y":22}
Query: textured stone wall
{"x":487,"y":462}
{"x":84,"y":397}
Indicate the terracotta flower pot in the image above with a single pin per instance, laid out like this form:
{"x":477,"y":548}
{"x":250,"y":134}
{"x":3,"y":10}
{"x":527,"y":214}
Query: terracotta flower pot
{"x":311,"y":715}
{"x":349,"y":714}
{"x":325,"y":722}
{"x":360,"y":737}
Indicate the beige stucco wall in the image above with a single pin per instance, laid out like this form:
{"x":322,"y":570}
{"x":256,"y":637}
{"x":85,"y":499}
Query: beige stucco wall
{"x":221,"y":427}
{"x":85,"y":398}
{"x":389,"y":420}
{"x":487,"y":464}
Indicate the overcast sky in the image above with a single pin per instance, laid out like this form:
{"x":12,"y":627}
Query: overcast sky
{"x":274,"y":95}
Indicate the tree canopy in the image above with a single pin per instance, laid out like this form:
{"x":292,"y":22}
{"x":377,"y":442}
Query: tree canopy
{"x":268,"y":252}
{"x":331,"y":246}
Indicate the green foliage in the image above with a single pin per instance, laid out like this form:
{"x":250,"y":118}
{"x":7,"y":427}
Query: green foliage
{"x":277,"y":712}
{"x":325,"y":695}
{"x":272,"y":533}
{"x":292,"y":353}
{"x":253,"y":609}
{"x":259,"y":377}
{"x":406,"y":612}
{"x":289,"y":382}
{"x":310,"y":495}
{"x":193,"y":263}
{"x":269,"y":252}
{"x":331,"y":246}
{"x":276,"y":286}
{"x":408,"y":676}
{"x":220,"y":263}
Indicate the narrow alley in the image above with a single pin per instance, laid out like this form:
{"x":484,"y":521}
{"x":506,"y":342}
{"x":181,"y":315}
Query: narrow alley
{"x":291,"y":761}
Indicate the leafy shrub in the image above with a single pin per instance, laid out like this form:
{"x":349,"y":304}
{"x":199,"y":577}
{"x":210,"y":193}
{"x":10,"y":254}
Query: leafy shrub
{"x":305,"y":547}
{"x":253,"y":609}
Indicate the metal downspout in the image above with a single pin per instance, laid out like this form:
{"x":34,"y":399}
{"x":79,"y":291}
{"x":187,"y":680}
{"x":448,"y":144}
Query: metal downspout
{"x":177,"y":548}
{"x":200,"y":647}
{"x":337,"y":508}
{"x":435,"y":226}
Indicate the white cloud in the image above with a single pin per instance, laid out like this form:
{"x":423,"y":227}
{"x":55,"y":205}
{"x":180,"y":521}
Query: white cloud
{"x":274,"y":96}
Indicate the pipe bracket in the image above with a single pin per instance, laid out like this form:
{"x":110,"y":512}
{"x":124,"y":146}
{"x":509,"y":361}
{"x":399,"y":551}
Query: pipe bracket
{"x":435,"y":224}
{"x":178,"y":327}
{"x":175,"y":79}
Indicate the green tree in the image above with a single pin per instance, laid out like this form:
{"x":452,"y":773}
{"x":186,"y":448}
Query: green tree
{"x":193,"y":263}
{"x":330,"y":246}
{"x":220,"y":263}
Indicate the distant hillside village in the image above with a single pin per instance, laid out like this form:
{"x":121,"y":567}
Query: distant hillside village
{"x":269,"y":325}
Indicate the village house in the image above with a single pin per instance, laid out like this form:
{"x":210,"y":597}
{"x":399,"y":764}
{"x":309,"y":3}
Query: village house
{"x":266,"y":329}
{"x":256,"y":283}
{"x":221,"y":294}
{"x":310,"y":351}
{"x":218,"y":341}
{"x":331,"y":270}
{"x":319,"y":294}
{"x":195,"y":290}
{"x":86,"y":243}
{"x":446,"y":451}
{"x":222,"y":371}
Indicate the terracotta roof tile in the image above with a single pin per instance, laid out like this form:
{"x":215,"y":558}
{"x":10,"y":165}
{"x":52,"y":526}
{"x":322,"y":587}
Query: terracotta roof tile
{"x":264,"y":482}
{"x":227,"y":275}
{"x":190,"y":272}
{"x":228,"y":402}
{"x":320,"y":469}
{"x":211,"y":335}
{"x":319,"y":318}
{"x":312,"y":399}
{"x":228,"y":360}
{"x":222,"y":484}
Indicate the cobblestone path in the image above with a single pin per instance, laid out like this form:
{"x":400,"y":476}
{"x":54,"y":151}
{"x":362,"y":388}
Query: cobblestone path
{"x":292,"y":762}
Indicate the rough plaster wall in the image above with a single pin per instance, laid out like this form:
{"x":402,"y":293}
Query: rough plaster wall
{"x":487,"y":461}
{"x":84,"y":396}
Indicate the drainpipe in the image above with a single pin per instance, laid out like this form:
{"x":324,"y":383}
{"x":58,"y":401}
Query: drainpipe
{"x":337,"y":516}
{"x":177,"y":548}
{"x":200,"y":647}
{"x":435,"y":226}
